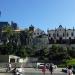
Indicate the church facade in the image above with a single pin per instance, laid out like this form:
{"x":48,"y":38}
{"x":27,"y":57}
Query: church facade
{"x":61,"y":35}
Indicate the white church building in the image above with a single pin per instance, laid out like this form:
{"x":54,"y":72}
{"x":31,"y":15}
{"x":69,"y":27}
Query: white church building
{"x":61,"y":35}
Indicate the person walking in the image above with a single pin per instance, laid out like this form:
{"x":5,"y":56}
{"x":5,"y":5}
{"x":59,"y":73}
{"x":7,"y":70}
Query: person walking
{"x":9,"y":66}
{"x":44,"y":69}
{"x":17,"y":72}
{"x":69,"y":70}
{"x":51,"y":69}
{"x":14,"y":71}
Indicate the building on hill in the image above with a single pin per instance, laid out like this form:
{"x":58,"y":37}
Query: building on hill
{"x":38,"y":32}
{"x":61,"y":35}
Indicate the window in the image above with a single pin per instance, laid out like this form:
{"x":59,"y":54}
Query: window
{"x":57,"y":35}
{"x":54,"y":35}
{"x":38,"y":33}
{"x":63,"y":34}
{"x":34,"y":33}
{"x":67,"y":34}
{"x":72,"y":34}
{"x":49,"y":35}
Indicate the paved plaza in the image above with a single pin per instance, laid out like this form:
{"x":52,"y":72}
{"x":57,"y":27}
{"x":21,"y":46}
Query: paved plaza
{"x":34,"y":71}
{"x":35,"y":74}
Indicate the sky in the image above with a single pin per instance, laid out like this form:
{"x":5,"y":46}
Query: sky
{"x":43,"y":14}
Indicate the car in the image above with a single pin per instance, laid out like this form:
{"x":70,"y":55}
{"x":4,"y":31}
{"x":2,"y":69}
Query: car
{"x":65,"y":69}
{"x":40,"y":65}
{"x":48,"y":64}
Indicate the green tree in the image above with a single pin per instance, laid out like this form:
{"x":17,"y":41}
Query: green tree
{"x":58,"y":53}
{"x":21,"y":51}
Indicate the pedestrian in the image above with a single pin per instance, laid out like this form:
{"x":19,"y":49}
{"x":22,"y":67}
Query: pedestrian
{"x":43,"y":69}
{"x":14,"y":71}
{"x":51,"y":69}
{"x":17,"y":72}
{"x":9,"y":66}
{"x":69,"y":70}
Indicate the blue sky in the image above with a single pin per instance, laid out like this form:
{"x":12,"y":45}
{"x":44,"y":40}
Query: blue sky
{"x":43,"y":14}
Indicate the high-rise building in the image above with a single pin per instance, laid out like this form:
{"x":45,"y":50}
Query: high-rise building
{"x":3,"y":24}
{"x":14,"y":25}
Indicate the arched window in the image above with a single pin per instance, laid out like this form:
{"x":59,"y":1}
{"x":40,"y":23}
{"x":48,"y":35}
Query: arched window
{"x":57,"y":35}
{"x":49,"y":35}
{"x":72,"y":34}
{"x":63,"y":35}
{"x":67,"y":34}
{"x":53,"y":34}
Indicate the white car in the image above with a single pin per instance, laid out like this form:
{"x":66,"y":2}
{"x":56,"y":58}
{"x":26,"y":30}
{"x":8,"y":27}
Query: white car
{"x":48,"y":64}
{"x":40,"y":65}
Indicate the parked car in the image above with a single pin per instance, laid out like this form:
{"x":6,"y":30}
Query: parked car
{"x":65,"y":69}
{"x":48,"y":64}
{"x":40,"y":65}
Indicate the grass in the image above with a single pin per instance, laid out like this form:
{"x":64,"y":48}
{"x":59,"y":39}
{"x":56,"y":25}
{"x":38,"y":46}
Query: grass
{"x":67,"y":62}
{"x":70,"y":62}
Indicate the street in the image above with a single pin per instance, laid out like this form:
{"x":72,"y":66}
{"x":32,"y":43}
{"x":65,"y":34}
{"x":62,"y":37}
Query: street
{"x":33,"y":71}
{"x":35,"y":74}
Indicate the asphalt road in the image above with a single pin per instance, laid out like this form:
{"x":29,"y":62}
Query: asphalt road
{"x":32,"y":71}
{"x":35,"y":74}
{"x":46,"y":74}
